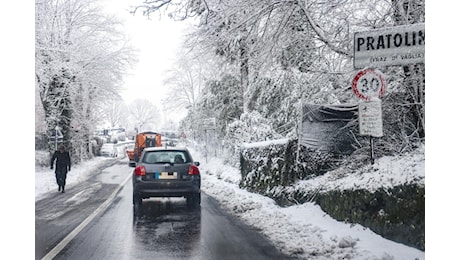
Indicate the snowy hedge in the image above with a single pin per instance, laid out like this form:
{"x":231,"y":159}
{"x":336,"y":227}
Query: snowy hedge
{"x":387,"y":197}
{"x":267,"y":165}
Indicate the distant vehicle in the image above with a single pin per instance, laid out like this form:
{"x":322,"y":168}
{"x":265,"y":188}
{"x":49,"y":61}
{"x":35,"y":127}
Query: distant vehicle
{"x":112,"y":135}
{"x":130,"y":154}
{"x":167,"y":172}
{"x":109,"y":150}
{"x":144,"y":140}
{"x":166,"y":141}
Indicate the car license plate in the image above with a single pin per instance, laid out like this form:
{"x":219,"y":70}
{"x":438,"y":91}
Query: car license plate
{"x":165,"y":175}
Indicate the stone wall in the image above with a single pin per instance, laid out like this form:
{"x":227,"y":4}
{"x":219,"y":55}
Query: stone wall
{"x":397,"y":214}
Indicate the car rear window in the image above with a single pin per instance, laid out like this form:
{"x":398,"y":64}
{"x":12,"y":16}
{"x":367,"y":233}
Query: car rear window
{"x":166,"y":157}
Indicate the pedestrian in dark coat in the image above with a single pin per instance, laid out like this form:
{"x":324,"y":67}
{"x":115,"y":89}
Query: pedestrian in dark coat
{"x":62,"y":158}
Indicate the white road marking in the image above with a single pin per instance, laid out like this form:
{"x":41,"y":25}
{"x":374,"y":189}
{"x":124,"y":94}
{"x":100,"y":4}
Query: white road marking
{"x":82,"y":225}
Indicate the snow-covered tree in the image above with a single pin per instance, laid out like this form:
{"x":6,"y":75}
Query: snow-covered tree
{"x":116,"y":113}
{"x":185,"y":83}
{"x":146,"y":115}
{"x":80,"y":60}
{"x":287,"y":53}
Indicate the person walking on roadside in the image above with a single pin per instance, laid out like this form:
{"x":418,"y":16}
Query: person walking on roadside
{"x":62,"y":159}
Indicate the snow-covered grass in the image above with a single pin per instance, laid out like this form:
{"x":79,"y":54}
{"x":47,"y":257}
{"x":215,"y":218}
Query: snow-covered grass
{"x":386,"y":172}
{"x":302,"y":230}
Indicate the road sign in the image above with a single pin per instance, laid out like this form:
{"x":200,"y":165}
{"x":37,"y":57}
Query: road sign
{"x":368,"y":84}
{"x":370,"y":118}
{"x":397,"y":45}
{"x":209,"y":123}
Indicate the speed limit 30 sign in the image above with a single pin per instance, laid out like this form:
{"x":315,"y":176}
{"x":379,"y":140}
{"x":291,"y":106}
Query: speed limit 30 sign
{"x":368,"y":83}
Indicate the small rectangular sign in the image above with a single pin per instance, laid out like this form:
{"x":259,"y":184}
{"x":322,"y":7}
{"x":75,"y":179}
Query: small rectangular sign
{"x":209,"y":123}
{"x":370,"y":118}
{"x":398,"y":45}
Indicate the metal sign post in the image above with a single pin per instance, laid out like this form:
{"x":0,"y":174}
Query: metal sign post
{"x":208,"y":124}
{"x":372,"y":149}
{"x":56,"y":129}
{"x":369,"y":85}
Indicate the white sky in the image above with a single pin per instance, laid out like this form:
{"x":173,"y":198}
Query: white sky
{"x":158,"y":40}
{"x":297,"y":228}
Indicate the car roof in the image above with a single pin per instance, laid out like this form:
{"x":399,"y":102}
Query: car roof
{"x":149,"y":133}
{"x":168,"y":148}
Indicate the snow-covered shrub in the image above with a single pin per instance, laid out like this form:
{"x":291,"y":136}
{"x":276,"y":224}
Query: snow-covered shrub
{"x":267,"y":165}
{"x":315,"y":162}
{"x":264,"y":166}
{"x":251,"y":127}
{"x":42,"y":158}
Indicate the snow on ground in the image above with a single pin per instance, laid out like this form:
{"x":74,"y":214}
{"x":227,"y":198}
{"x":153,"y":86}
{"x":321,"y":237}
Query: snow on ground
{"x":304,"y":230}
{"x":387,"y":172}
{"x":45,"y":180}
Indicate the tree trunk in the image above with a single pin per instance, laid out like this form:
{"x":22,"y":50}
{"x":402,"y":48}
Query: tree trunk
{"x":244,"y":73}
{"x":410,"y":12}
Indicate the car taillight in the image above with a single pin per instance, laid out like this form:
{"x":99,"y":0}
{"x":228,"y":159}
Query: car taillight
{"x":139,"y":171}
{"x":193,"y":170}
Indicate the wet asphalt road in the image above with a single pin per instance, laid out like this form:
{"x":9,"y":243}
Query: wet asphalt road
{"x":165,"y":228}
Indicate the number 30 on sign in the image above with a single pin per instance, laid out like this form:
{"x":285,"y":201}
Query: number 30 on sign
{"x":368,"y":83}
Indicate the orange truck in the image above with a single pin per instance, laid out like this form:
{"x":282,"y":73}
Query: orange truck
{"x":130,"y":154}
{"x":143,"y":140}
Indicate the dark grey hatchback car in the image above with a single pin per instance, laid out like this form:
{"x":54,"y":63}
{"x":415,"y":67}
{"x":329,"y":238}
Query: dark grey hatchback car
{"x":167,"y":172}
